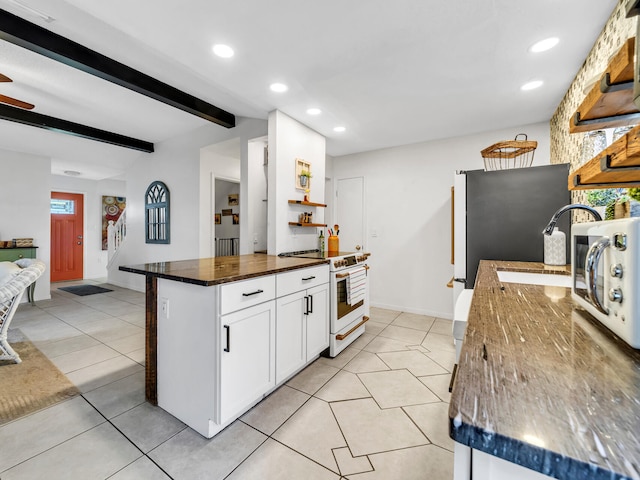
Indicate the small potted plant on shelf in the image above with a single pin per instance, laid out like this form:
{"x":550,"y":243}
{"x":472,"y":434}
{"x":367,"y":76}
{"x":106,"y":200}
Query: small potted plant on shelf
{"x":305,"y":175}
{"x":605,"y":201}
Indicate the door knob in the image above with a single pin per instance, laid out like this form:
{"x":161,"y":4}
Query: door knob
{"x":358,"y":247}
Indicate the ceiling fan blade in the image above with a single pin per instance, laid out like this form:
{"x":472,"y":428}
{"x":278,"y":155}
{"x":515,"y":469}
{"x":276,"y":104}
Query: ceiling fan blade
{"x":4,"y":78}
{"x":16,"y":103}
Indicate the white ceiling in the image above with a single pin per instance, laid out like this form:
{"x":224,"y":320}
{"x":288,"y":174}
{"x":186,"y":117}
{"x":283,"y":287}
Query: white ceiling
{"x":392,"y":72}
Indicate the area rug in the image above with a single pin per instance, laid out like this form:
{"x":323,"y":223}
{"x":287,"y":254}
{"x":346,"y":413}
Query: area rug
{"x":84,"y":290}
{"x":29,"y":386}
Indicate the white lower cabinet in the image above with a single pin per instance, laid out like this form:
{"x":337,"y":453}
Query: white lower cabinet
{"x":317,"y":321}
{"x":472,"y":464}
{"x":302,"y":329}
{"x":291,"y":333}
{"x":221,"y":349}
{"x":247,"y":365}
{"x":302,"y":325}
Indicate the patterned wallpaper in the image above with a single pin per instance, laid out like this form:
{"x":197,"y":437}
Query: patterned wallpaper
{"x":565,"y":147}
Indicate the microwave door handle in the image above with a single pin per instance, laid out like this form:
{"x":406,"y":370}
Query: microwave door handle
{"x":591,"y":272}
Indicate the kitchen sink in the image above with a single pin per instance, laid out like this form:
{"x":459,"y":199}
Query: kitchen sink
{"x":530,"y":278}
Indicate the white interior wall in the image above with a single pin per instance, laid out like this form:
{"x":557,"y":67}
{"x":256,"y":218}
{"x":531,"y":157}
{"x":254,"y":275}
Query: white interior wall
{"x":220,"y":160}
{"x":226,"y":229}
{"x":257,"y":194}
{"x":25,"y":194}
{"x":408,"y":205}
{"x":177,"y":163}
{"x":288,"y":140}
{"x":95,"y":259}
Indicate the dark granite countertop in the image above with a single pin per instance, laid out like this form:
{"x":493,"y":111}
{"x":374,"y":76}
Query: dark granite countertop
{"x":214,"y":271}
{"x":542,"y":384}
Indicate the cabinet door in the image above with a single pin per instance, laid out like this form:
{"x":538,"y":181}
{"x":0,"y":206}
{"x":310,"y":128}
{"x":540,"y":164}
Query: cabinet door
{"x":317,"y":320}
{"x":290,"y":335}
{"x":489,"y":467}
{"x":248,"y":362}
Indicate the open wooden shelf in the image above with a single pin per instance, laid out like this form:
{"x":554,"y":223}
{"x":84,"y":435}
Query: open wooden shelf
{"x":609,"y":103}
{"x":298,"y":224}
{"x":616,"y":166}
{"x":309,"y":204}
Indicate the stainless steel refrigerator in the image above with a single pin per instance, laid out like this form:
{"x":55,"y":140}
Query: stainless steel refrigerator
{"x":499,"y":215}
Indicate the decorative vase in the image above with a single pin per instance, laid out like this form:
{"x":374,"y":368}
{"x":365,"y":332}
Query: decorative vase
{"x":303,"y":180}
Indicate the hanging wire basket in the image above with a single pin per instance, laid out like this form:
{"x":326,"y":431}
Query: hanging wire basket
{"x":510,"y":154}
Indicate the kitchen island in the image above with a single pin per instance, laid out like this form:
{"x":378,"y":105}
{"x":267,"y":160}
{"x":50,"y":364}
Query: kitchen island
{"x":542,"y":385}
{"x":197,"y":310}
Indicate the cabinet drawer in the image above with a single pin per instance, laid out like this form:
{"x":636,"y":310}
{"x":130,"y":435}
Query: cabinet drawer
{"x":13,"y":254}
{"x":301,"y":279}
{"x":246,"y":293}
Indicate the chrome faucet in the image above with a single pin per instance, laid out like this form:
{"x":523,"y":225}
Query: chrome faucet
{"x":552,"y":223}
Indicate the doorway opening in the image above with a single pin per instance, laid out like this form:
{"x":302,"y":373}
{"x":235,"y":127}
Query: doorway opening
{"x":227,"y":218}
{"x":220,"y":236}
{"x":67,"y":232}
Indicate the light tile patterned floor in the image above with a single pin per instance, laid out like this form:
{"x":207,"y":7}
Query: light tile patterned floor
{"x":377,"y":411}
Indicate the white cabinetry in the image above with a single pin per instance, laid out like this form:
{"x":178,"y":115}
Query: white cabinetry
{"x":221,"y":349}
{"x":248,"y":363}
{"x":290,"y":335}
{"x":472,"y":464}
{"x":317,"y":321}
{"x":302,"y":325}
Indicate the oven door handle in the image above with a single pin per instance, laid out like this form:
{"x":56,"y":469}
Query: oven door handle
{"x":591,"y":272}
{"x":342,"y":336}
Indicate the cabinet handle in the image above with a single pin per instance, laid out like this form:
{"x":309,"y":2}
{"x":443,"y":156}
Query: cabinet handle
{"x":306,"y":305}
{"x":228,"y":329}
{"x":308,"y":278}
{"x":252,"y":293}
{"x":310,"y":309}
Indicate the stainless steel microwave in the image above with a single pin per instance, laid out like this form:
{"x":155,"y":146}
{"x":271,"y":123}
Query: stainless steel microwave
{"x":605,"y":265}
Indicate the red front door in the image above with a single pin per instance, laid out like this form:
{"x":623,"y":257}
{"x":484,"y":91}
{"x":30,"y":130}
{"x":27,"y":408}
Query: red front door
{"x":66,"y":236}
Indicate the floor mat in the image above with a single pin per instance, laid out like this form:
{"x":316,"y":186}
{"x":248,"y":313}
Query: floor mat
{"x":84,"y":290}
{"x":29,"y":386}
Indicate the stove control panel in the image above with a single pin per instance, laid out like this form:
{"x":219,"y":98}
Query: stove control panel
{"x":350,"y":260}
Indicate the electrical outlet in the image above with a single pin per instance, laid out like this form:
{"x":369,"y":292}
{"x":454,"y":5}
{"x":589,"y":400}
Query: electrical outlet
{"x":164,"y":307}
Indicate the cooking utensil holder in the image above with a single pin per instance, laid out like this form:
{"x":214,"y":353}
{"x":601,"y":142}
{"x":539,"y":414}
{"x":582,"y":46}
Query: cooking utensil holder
{"x":333,"y":244}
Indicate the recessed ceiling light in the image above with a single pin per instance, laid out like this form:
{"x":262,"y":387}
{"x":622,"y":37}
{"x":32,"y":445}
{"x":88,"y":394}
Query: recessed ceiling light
{"x":314,"y":111}
{"x":224,"y":51}
{"x":544,"y":45}
{"x":71,"y":173}
{"x":532,"y":85}
{"x":339,"y":129}
{"x":278,"y":87}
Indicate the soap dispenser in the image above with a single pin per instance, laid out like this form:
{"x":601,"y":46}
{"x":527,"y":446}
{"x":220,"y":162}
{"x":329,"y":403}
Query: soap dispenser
{"x":555,"y":248}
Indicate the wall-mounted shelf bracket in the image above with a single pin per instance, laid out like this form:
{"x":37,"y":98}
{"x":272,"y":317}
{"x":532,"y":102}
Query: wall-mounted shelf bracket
{"x":605,"y":166}
{"x":607,"y":87}
{"x":624,"y":119}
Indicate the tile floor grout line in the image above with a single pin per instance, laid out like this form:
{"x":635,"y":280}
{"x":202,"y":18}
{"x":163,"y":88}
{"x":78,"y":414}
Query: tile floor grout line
{"x":291,"y":415}
{"x":107,"y":420}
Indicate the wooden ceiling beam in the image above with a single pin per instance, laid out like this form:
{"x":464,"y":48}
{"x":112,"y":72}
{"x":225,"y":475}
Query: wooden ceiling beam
{"x":28,"y":35}
{"x":46,"y":122}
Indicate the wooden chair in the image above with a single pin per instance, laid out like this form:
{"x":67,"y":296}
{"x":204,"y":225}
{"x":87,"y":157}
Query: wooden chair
{"x":10,"y":296}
